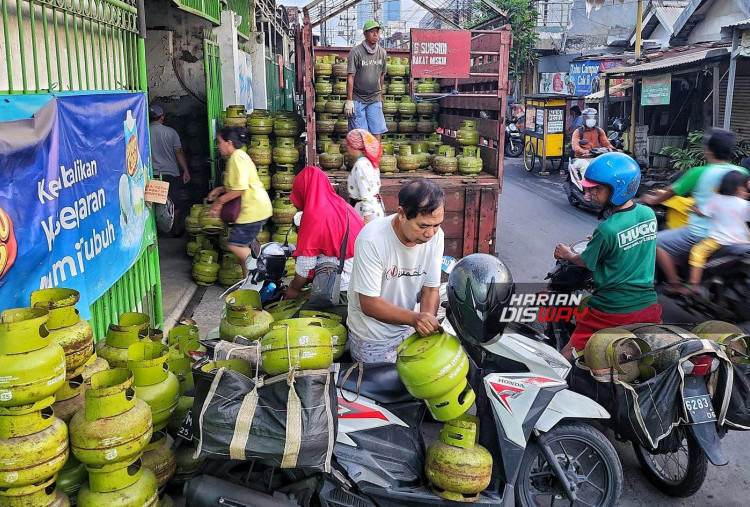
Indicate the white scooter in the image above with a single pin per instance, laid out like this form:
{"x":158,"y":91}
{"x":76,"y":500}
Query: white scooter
{"x":577,"y":172}
{"x":530,"y":422}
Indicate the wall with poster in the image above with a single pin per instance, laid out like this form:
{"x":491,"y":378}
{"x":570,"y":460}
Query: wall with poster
{"x":556,"y":82}
{"x":72,"y":180}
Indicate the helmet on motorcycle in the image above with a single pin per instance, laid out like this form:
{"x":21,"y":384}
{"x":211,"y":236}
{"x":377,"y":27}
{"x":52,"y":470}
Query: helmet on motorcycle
{"x":617,"y":171}
{"x":479,"y":287}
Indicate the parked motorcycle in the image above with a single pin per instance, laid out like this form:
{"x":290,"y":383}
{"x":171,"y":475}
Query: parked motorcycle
{"x":513,"y":138}
{"x":531,"y":424}
{"x":677,"y":464}
{"x":616,"y":138}
{"x":266,"y":267}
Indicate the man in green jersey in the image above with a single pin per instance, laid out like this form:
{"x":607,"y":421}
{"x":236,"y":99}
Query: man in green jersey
{"x":621,"y":253}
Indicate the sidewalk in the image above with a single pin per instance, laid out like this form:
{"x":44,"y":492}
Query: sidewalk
{"x":181,"y":296}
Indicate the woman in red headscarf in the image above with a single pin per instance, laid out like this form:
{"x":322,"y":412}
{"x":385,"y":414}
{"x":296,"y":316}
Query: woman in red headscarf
{"x":321,"y":233}
{"x":364,"y":180}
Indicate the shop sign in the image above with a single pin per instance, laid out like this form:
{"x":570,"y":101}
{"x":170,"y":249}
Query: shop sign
{"x":530,"y":122}
{"x":555,"y":121}
{"x":556,"y":82}
{"x":539,"y":121}
{"x":440,"y":53}
{"x":656,"y":90}
{"x":585,"y":77}
{"x":72,"y":188}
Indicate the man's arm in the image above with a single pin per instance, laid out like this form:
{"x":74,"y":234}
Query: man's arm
{"x":384,"y":311}
{"x":382,"y":85}
{"x":295,"y":287}
{"x":350,"y":87}
{"x":575,"y":143}
{"x":564,"y":252}
{"x":654,"y":199}
{"x":180,"y":155}
{"x":603,"y":141}
{"x":430,"y":300}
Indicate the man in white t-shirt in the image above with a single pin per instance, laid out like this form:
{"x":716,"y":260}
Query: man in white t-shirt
{"x":397,"y":262}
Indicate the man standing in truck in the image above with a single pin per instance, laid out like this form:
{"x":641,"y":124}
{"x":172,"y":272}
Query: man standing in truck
{"x":364,"y":85}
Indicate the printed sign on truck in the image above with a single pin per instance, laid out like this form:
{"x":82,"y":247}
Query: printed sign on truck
{"x":440,"y":53}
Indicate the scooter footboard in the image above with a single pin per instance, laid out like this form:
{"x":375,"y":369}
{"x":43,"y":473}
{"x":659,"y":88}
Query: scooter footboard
{"x":569,"y":405}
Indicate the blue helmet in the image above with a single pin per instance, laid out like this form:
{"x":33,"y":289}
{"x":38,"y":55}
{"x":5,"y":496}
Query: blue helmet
{"x":619,"y":172}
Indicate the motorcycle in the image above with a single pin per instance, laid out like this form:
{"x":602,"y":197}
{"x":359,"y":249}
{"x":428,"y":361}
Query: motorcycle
{"x":529,"y":421}
{"x":726,"y":277}
{"x":616,"y":138}
{"x":513,"y":138}
{"x":266,"y":267}
{"x":678,"y":464}
{"x":576,"y":172}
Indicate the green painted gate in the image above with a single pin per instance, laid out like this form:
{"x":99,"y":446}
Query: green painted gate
{"x":214,"y":100}
{"x":55,"y":45}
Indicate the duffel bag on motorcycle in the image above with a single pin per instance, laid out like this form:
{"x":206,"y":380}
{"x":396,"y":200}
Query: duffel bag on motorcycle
{"x":644,"y":410}
{"x":286,"y":421}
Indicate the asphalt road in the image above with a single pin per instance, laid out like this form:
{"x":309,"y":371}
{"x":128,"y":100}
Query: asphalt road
{"x":533,"y":216}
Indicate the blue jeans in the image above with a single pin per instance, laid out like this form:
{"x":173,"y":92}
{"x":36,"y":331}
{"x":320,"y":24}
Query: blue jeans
{"x":244,"y":234}
{"x":369,"y":117}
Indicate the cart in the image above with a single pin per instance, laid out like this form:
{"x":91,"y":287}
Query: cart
{"x":545,"y":129}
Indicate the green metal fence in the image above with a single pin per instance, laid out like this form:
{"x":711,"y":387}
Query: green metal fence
{"x":214,"y":100}
{"x":245,"y":9}
{"x":85,"y":45}
{"x":209,"y":9}
{"x":82,"y":45}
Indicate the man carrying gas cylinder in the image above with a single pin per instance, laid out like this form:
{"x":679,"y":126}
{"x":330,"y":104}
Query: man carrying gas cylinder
{"x":397,"y":265}
{"x":364,"y":84}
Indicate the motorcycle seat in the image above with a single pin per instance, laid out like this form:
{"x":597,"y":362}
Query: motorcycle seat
{"x":733,"y":250}
{"x":380,"y":382}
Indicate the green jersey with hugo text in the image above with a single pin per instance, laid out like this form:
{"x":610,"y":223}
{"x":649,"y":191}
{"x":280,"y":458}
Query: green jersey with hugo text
{"x":622,"y":255}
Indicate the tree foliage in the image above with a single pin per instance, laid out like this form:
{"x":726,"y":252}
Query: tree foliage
{"x":692,"y":155}
{"x":522,"y":16}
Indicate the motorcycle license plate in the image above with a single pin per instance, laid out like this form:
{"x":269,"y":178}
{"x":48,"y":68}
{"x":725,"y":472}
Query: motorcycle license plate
{"x":700,"y":409}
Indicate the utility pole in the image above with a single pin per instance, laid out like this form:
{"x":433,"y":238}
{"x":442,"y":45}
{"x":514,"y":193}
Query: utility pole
{"x":638,"y":29}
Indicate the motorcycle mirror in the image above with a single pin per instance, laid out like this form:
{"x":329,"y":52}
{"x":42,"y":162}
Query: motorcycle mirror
{"x":297,"y":219}
{"x":448,"y":264}
{"x":255,"y":249}
{"x":583,"y":142}
{"x":613,"y":136}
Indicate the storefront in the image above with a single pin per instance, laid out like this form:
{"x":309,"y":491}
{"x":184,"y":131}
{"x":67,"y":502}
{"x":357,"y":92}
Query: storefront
{"x":675,"y":94}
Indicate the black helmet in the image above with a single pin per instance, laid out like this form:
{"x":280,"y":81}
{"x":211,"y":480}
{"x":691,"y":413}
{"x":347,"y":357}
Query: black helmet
{"x":479,"y":287}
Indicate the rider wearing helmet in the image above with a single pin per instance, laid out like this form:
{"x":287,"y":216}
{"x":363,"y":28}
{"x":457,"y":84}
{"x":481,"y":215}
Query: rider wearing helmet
{"x":595,"y":136}
{"x":479,"y":287}
{"x":621,"y":252}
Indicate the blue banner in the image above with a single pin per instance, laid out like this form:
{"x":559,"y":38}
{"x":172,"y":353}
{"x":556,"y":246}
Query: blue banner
{"x":72,"y":181}
{"x":585,"y":77}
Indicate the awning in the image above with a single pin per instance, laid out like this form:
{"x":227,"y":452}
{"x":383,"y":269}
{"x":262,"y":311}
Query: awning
{"x":683,"y":59}
{"x":612,"y":89}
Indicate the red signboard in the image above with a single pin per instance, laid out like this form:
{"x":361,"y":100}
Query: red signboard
{"x":440,"y":53}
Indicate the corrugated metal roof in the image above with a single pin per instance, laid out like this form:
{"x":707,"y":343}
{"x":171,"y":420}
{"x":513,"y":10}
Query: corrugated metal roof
{"x":738,"y":23}
{"x":669,"y":62}
{"x":612,"y":89}
{"x":669,"y":12}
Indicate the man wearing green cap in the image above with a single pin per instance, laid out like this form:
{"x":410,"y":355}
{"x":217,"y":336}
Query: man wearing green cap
{"x":364,"y":100}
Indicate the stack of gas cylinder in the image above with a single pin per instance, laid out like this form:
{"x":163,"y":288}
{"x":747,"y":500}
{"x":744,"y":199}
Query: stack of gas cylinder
{"x":33,"y":442}
{"x":311,"y":341}
{"x":434,"y":368}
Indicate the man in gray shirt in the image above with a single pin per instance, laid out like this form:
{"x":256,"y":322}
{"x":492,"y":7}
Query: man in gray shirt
{"x":167,"y":159}
{"x":366,"y":76}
